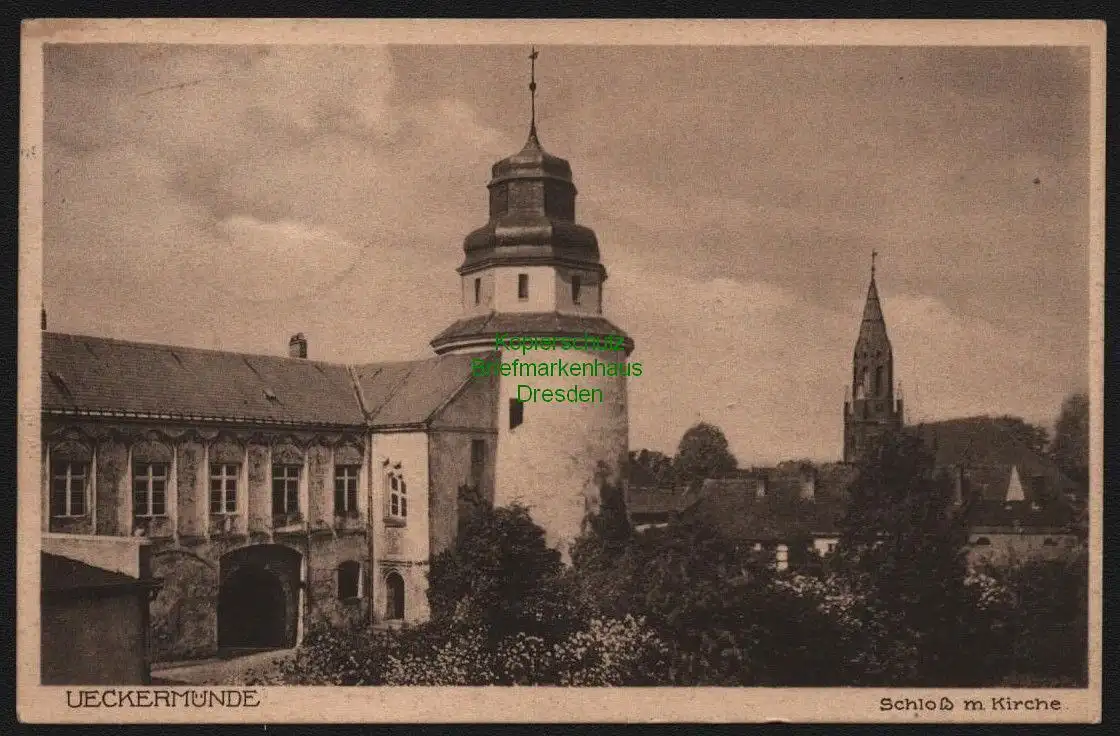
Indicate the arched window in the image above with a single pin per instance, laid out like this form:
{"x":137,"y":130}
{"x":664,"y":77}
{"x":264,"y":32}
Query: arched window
{"x":349,"y":580}
{"x":394,"y":596}
{"x":982,"y":542}
{"x":398,"y":496}
{"x":878,"y":380}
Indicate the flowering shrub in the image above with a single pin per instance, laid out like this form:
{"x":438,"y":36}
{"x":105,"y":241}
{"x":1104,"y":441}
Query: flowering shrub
{"x":610,"y":652}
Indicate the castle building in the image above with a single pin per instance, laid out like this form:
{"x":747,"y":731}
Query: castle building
{"x":268,"y":489}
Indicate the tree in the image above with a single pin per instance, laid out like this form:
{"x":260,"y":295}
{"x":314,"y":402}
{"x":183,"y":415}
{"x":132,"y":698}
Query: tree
{"x":1031,"y":435}
{"x":902,"y":543}
{"x":650,"y":468}
{"x":703,"y":453}
{"x":1070,"y":447}
{"x":501,"y":577}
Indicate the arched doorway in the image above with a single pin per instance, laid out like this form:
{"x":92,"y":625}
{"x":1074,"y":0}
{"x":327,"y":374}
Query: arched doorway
{"x":258,"y":600}
{"x":394,"y":597}
{"x":251,"y":611}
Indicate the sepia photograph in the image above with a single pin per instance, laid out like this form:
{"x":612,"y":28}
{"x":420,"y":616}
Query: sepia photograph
{"x":464,"y":370}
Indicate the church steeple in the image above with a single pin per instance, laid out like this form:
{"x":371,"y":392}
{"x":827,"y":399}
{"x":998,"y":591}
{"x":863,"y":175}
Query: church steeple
{"x":872,"y":410}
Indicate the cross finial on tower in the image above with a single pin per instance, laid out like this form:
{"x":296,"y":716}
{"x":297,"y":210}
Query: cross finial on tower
{"x":874,"y":255}
{"x":533,"y":91}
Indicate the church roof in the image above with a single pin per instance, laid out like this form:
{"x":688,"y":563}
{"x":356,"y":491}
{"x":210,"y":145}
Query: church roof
{"x":872,"y":327}
{"x":101,"y":376}
{"x":872,"y":309}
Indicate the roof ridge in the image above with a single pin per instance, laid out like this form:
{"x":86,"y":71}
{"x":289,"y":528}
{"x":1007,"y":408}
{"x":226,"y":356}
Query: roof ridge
{"x":190,"y":348}
{"x":392,"y":392}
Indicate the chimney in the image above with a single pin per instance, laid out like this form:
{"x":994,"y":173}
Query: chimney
{"x":297,"y":346}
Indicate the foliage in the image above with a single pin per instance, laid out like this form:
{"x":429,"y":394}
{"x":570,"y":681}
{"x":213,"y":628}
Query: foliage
{"x":1030,"y":435}
{"x":1070,"y":446}
{"x":703,"y":453}
{"x":501,"y":577}
{"x":902,"y":544}
{"x":651,"y":468}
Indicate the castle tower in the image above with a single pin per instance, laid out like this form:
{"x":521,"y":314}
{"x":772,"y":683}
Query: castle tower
{"x":871,"y":411}
{"x":532,"y":271}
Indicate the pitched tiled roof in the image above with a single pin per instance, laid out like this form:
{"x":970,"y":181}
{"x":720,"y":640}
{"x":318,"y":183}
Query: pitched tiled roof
{"x":732,"y":506}
{"x":64,"y":574}
{"x":84,"y":374}
{"x":529,"y":323}
{"x":989,"y":450}
{"x":396,"y":394}
{"x":768,"y":504}
{"x":647,"y":504}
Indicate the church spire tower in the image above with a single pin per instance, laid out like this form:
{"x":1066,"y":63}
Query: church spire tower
{"x":871,"y":412}
{"x":532,"y":271}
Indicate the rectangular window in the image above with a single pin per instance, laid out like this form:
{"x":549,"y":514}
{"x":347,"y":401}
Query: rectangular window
{"x":477,"y":291}
{"x":478,"y":461}
{"x":349,"y":581}
{"x":576,"y":287}
{"x":398,"y":499}
{"x":149,"y":489}
{"x":516,"y":413}
{"x":223,"y":488}
{"x":68,"y":489}
{"x":285,"y":489}
{"x":345,"y":488}
{"x":522,"y":286}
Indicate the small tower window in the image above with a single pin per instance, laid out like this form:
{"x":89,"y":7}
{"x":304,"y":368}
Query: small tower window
{"x":478,"y":461}
{"x":516,"y":413}
{"x":879,"y":380}
{"x":477,"y":291}
{"x":576,"y":286}
{"x":522,"y":286}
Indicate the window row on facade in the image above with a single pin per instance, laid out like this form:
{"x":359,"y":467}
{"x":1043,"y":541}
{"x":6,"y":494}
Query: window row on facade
{"x":71,"y":487}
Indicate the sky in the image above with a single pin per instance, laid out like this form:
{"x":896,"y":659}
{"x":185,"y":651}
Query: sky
{"x":230,"y":196}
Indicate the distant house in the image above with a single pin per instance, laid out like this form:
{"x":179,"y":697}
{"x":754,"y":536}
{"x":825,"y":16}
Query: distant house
{"x":654,"y":506}
{"x":784,"y":511}
{"x":94,"y":624}
{"x":1016,"y":499}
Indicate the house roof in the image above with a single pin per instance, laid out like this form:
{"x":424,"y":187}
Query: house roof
{"x":85,"y":374}
{"x":767,"y":504}
{"x":986,"y":445}
{"x":656,"y":503}
{"x":410,"y":393}
{"x":62,"y":574}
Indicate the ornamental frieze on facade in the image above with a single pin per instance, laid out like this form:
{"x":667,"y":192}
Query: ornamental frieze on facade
{"x":291,"y":445}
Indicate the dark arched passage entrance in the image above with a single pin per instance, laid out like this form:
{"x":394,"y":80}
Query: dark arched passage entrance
{"x":258,"y":600}
{"x":394,"y":597}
